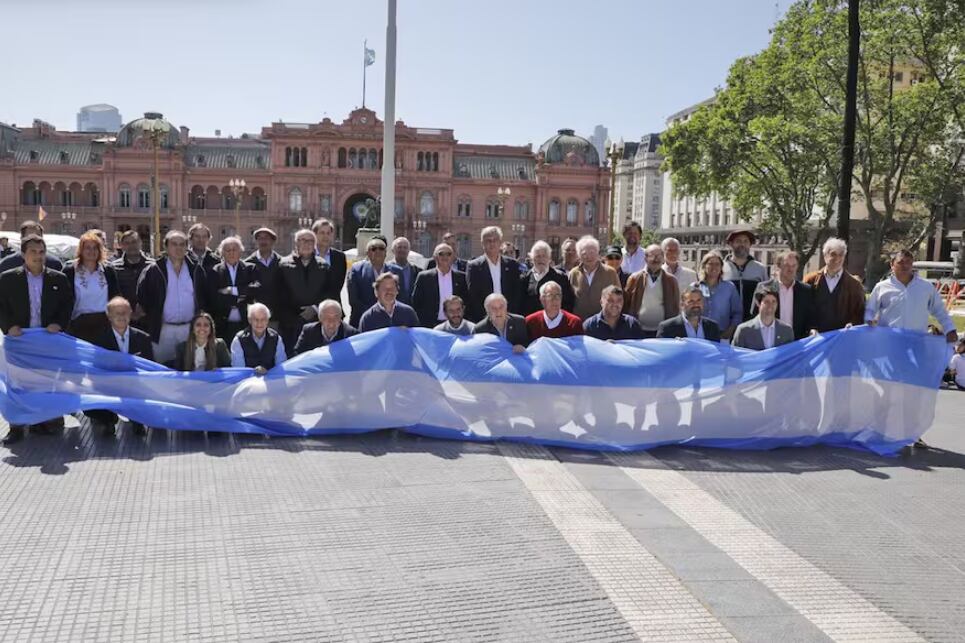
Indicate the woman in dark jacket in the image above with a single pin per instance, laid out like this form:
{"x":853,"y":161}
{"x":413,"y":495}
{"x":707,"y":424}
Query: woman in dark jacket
{"x":203,"y":351}
{"x":94,"y":283}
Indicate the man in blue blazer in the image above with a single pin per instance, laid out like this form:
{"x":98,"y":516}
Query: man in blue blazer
{"x":361,"y":279}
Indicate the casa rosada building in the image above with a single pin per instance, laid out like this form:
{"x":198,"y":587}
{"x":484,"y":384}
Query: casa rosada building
{"x":296,"y":172}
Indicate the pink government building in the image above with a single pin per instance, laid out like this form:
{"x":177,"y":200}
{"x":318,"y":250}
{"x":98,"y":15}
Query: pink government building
{"x":295,"y":172}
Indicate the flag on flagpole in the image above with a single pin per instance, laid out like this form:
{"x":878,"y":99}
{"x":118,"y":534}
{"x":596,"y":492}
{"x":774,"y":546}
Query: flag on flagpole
{"x":41,"y":213}
{"x":369,"y":57}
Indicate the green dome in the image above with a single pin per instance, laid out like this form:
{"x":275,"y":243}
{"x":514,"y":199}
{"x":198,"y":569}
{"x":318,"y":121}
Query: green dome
{"x":140,"y":130}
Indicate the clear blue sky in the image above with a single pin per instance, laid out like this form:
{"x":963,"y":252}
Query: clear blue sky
{"x":495,"y":71}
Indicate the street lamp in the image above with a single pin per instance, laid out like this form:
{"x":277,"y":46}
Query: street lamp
{"x":238,"y":189}
{"x":156,"y":133}
{"x":503,"y":195}
{"x":188,"y":220}
{"x":615,"y":153}
{"x":67,"y":216}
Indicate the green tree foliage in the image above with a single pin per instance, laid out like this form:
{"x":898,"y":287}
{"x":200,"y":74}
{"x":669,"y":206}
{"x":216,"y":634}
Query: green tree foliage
{"x":771,"y":138}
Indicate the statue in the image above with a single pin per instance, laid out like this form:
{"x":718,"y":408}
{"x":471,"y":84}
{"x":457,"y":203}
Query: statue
{"x":373,"y":216}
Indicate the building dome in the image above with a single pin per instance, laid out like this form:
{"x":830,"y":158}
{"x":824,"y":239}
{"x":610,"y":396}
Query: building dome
{"x":138,"y":133}
{"x":568,"y":148}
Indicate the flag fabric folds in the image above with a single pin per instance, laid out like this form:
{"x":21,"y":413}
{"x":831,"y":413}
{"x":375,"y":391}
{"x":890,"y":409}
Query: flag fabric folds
{"x":871,"y":388}
{"x":369,"y":57}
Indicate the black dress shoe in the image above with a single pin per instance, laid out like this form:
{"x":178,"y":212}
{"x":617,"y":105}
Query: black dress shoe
{"x":14,"y":435}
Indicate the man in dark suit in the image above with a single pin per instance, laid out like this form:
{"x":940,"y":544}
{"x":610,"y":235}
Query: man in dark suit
{"x":338,"y":265}
{"x":199,"y":236}
{"x":407,"y":272}
{"x":795,"y":298}
{"x":490,"y":273}
{"x":459,"y":264}
{"x":361,"y":279}
{"x":499,"y":321}
{"x":129,"y":267}
{"x":305,"y":279}
{"x":228,"y":290}
{"x":542,"y":272}
{"x":328,"y":329}
{"x":264,"y":289}
{"x":433,"y":286}
{"x":690,"y":322}
{"x":123,"y":338}
{"x":171,"y":291}
{"x":15,"y":259}
{"x":34,"y":296}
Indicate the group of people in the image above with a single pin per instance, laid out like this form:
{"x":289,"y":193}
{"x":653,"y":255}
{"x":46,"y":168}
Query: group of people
{"x":198,"y":309}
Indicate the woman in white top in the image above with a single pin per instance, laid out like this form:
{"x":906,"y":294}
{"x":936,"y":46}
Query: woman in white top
{"x":94,"y":283}
{"x":203,"y":351}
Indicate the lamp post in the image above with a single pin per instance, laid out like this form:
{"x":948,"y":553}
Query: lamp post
{"x":187,"y":220}
{"x":503,"y":195}
{"x":238,"y":189}
{"x":614,"y":156}
{"x":155,"y":134}
{"x":66,"y":217}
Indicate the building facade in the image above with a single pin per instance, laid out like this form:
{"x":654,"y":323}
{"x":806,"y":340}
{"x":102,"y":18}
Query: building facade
{"x":296,"y":172}
{"x":599,"y":140}
{"x":99,"y":118}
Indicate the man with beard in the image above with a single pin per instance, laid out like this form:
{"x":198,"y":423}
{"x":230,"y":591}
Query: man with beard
{"x":691,"y":321}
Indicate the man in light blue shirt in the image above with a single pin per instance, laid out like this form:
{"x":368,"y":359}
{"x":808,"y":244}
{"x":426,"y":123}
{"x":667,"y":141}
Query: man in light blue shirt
{"x":904,"y":300}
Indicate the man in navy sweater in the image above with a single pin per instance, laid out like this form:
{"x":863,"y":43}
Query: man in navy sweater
{"x":387,"y":311}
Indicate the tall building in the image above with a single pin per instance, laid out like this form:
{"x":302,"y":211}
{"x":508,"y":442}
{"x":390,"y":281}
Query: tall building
{"x":98,"y":118}
{"x":623,"y":186}
{"x":598,"y":139}
{"x":703,"y":223}
{"x":295,"y":172}
{"x":639,"y":184}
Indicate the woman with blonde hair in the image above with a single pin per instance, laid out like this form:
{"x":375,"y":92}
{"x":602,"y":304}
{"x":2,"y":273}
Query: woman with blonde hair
{"x":203,"y":351}
{"x":94,"y":283}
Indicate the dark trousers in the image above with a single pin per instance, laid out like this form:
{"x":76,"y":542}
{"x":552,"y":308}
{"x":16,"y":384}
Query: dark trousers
{"x":89,"y":327}
{"x":648,"y":334}
{"x":227,"y":330}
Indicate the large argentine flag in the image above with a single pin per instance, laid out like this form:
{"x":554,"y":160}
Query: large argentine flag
{"x":868,"y":387}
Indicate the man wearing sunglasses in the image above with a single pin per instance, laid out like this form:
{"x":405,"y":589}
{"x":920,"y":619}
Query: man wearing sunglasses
{"x":434,"y":286}
{"x":361,"y":278}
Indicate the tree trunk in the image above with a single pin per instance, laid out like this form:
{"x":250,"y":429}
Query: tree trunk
{"x":874,"y":267}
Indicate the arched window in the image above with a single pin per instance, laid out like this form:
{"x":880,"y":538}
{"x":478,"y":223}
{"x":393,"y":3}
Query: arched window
{"x":589,"y":213}
{"x":124,"y":196}
{"x":373,"y":159}
{"x":419,"y":162}
{"x":423,"y":244}
{"x":492,"y":208}
{"x":325,"y":204}
{"x":554,"y":211}
{"x":463,"y":245}
{"x":143,"y":196}
{"x":93,"y":195}
{"x":295,"y":200}
{"x":30,"y":194}
{"x":427,"y":204}
{"x":304,"y":157}
{"x":521,"y":210}
{"x":164,"y":197}
{"x":258,"y":200}
{"x":464,"y":206}
{"x":572,"y":212}
{"x":353,"y":161}
{"x":435,"y":161}
{"x":342,"y":157}
{"x":288,"y":157}
{"x":197,"y":198}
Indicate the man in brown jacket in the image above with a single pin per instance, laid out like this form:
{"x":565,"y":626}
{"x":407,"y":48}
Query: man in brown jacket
{"x":589,"y":278}
{"x":652,"y":295}
{"x":838,"y":296}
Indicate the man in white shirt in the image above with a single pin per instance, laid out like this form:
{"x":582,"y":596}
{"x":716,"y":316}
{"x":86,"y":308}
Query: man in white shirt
{"x":904,"y":300}
{"x":633,"y":255}
{"x":672,"y":266}
{"x":956,"y":368}
{"x":491,"y":273}
{"x":258,"y":346}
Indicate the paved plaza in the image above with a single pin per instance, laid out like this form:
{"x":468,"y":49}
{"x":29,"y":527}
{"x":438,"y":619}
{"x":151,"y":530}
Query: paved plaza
{"x":390,"y":537}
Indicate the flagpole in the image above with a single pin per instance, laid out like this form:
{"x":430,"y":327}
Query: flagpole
{"x":387,"y":211}
{"x":365,"y":48}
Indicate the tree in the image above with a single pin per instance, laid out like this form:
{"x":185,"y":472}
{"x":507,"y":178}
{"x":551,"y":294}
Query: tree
{"x":770,"y":139}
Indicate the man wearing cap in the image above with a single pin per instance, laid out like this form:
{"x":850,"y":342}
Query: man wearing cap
{"x":651,"y":295}
{"x":741,"y":269}
{"x":671,"y":263}
{"x":5,"y":249}
{"x":765,"y":330}
{"x":613,"y":257}
{"x":264,"y":260}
